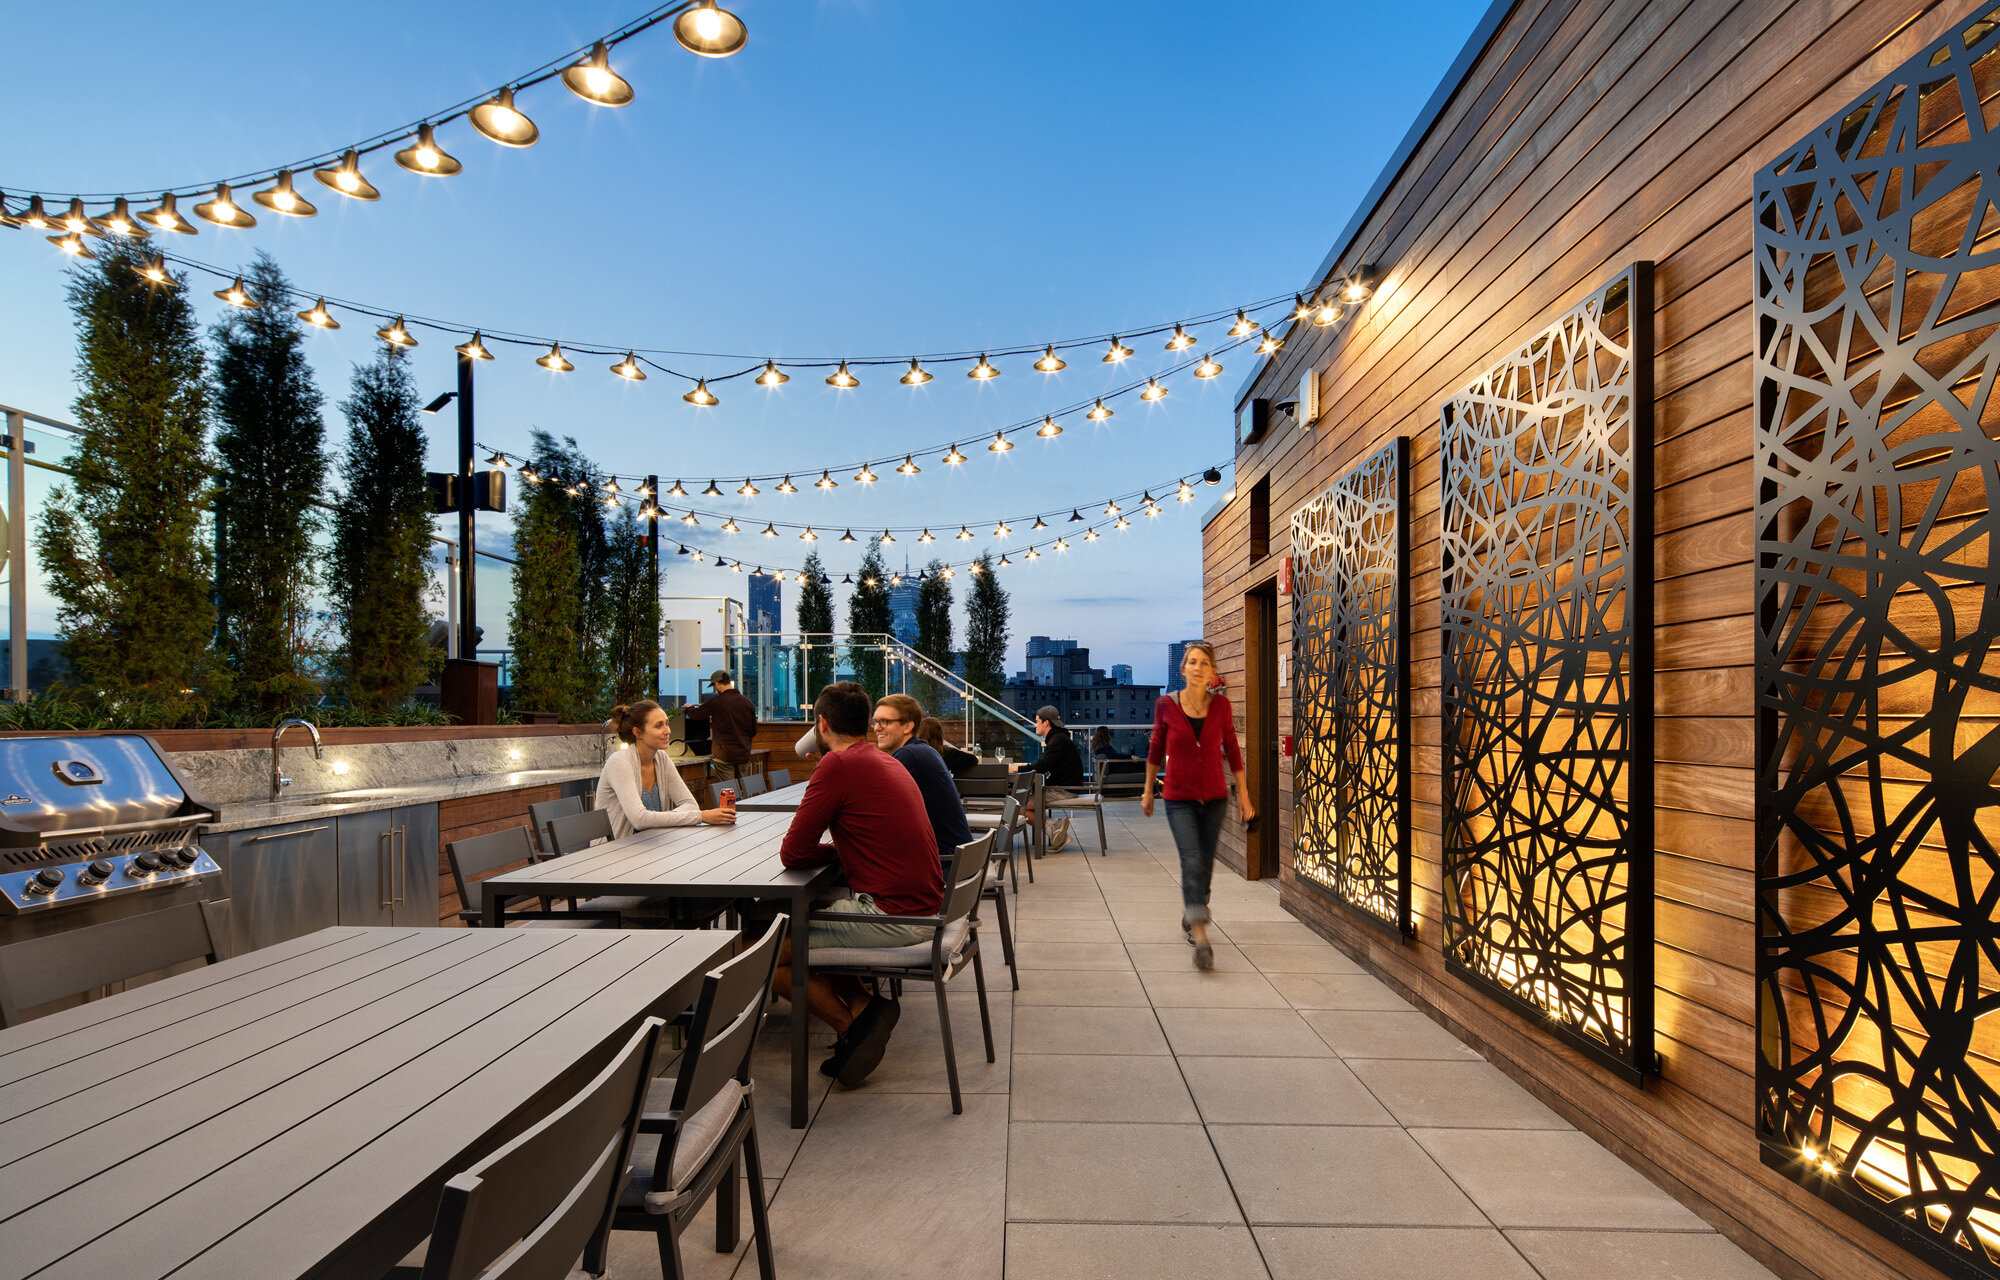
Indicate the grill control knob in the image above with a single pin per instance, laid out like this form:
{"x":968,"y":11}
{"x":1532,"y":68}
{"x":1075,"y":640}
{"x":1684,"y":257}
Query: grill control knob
{"x":45,"y":881}
{"x":145,"y":864}
{"x":96,"y":873}
{"x":179,"y":857}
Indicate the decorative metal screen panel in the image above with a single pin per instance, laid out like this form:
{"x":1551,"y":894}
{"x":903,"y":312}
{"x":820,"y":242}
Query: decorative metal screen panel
{"x":1547,"y":679}
{"x":1878,"y":693}
{"x":1351,"y":690}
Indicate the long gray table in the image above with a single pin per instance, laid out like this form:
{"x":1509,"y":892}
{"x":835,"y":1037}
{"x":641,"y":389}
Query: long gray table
{"x":739,"y":861}
{"x":295,"y":1111}
{"x":783,"y":800}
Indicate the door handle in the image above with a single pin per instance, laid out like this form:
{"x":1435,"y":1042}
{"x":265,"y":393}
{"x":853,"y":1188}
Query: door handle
{"x":387,"y":870}
{"x":402,"y":865}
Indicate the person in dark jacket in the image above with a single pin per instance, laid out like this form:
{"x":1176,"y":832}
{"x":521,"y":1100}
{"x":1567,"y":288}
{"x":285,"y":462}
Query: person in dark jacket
{"x":732,"y":726}
{"x":896,"y":720}
{"x":1061,"y":767}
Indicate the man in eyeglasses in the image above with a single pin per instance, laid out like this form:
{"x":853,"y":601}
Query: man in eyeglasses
{"x":896,"y":719}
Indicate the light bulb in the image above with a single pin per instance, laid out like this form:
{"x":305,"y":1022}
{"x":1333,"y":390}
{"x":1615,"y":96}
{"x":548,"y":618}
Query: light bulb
{"x":917,"y":376}
{"x":730,"y":526}
{"x":1328,"y":313}
{"x":427,"y":157}
{"x":786,"y":486}
{"x":887,"y":537}
{"x":710,"y":31}
{"x":689,"y":518}
{"x":1112,"y":508}
{"x":748,"y":490}
{"x":677,"y":491}
{"x":826,"y":481}
{"x":473,"y":348}
{"x":1117,"y":353}
{"x":156,"y":271}
{"x":1208,"y":368}
{"x":1181,"y":340}
{"x":772,"y":376}
{"x":223,"y":210}
{"x":236,"y":295}
{"x":1300,"y":307}
{"x":1099,"y":412}
{"x":629,"y":369}
{"x":1090,"y":535}
{"x":554,"y":361}
{"x":120,"y":222}
{"x":705,"y":398}
{"x":1050,"y":361}
{"x":1123,"y":523}
{"x":1154,"y":391}
{"x":78,"y":221}
{"x":72,"y":244}
{"x":842,"y":378}
{"x":1048,"y":430}
{"x":1243,"y":327}
{"x":865,"y":476}
{"x":593,"y":80}
{"x":164,"y":217}
{"x":983,"y":371}
{"x":36,"y":216}
{"x":809,"y":535}
{"x":964,"y":534}
{"x":318,"y":317}
{"x":502,"y":122}
{"x":281,"y":198}
{"x":1060,"y":545}
{"x":770,"y":531}
{"x":346,"y":178}
{"x":1002,"y":529}
{"x":1034,"y":554}
{"x":927,"y":536}
{"x":711,"y":491}
{"x":1001,"y":444}
{"x":847,"y":535}
{"x":909,"y":467}
{"x":1358,"y":287}
{"x":1269,"y":344}
{"x":1041,"y":523}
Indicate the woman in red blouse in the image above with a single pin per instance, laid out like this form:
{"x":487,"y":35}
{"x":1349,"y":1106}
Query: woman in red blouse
{"x":1194,"y":734}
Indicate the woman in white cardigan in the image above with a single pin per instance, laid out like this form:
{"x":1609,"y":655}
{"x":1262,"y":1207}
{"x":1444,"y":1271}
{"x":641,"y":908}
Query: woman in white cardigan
{"x":640,"y":788}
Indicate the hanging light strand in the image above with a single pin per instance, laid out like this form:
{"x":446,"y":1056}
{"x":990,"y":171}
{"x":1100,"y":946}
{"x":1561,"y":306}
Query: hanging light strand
{"x":582,"y":69}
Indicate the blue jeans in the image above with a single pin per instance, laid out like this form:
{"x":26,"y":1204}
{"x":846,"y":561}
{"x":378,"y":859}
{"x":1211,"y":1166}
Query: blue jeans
{"x":1197,"y":826}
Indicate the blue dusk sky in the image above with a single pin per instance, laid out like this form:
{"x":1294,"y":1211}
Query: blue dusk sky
{"x":866,"y":178}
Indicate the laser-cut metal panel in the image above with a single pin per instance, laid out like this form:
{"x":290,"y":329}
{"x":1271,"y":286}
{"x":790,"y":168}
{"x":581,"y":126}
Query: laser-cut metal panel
{"x":1351,"y":690}
{"x":1547,"y":676}
{"x":1878,"y":694}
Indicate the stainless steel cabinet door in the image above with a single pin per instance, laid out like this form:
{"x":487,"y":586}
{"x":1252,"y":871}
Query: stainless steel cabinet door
{"x":416,"y":894}
{"x":283,"y":882}
{"x":368,"y":867}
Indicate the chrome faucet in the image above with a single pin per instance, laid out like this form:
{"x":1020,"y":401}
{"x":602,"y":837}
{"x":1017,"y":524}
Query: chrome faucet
{"x":278,"y":780}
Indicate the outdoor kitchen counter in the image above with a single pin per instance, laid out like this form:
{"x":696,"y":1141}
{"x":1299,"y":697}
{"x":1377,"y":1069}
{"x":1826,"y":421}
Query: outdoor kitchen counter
{"x":333,"y":804}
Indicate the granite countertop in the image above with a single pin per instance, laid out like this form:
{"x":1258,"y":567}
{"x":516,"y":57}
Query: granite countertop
{"x":244,"y":816}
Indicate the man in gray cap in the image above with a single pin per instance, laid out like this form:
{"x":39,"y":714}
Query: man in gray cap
{"x":732,"y":726}
{"x":1060,"y":766}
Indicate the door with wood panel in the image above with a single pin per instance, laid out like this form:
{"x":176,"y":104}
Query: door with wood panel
{"x":1260,"y":728}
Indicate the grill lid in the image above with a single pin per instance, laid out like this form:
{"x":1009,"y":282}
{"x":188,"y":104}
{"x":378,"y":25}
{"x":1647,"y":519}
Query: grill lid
{"x":57,"y":787}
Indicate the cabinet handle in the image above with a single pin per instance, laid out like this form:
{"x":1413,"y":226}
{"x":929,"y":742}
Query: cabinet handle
{"x":402,"y":860}
{"x":283,"y":835}
{"x":385,"y":865}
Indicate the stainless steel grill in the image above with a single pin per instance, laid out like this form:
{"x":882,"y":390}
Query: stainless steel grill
{"x":93,"y":819}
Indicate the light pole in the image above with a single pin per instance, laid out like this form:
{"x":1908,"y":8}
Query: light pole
{"x":461,"y":492}
{"x":653,"y":568}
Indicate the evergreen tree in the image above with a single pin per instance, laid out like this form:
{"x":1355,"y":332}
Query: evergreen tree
{"x":934,"y":629}
{"x":986,"y":630}
{"x":585,"y":516}
{"x":868,"y":614}
{"x":633,"y":601}
{"x":270,"y":450}
{"x":816,"y":628}
{"x":122,"y":543}
{"x":549,"y":623}
{"x":378,"y":575}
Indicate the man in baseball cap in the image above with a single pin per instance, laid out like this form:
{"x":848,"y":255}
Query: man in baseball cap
{"x":1061,"y":768}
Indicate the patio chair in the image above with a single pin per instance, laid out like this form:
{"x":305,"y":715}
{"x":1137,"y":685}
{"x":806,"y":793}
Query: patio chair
{"x":1090,"y":800}
{"x":579,"y":831}
{"x":541,"y":814}
{"x":41,"y":970}
{"x":953,"y":944}
{"x":1007,"y":823}
{"x":1004,"y":831}
{"x":531,"y":1209}
{"x":696,"y":1121}
{"x":780,"y":779}
{"x":753,"y":785}
{"x":476,"y":857}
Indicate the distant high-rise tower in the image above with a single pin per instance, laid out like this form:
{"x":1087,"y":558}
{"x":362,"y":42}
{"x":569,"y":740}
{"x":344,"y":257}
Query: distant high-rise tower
{"x":1175,"y":652}
{"x":903,"y":610}
{"x":1121,"y":673}
{"x":767,"y":606}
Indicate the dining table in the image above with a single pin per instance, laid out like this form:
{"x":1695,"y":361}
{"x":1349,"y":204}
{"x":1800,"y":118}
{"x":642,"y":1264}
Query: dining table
{"x":296,"y":1110}
{"x":781,"y":800}
{"x":736,"y":862}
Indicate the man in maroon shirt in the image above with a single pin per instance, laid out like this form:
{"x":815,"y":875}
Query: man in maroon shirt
{"x":882,"y":840}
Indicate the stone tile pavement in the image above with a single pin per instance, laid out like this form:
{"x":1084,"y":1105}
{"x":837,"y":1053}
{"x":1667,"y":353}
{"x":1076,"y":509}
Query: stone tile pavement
{"x":1284,"y":1117}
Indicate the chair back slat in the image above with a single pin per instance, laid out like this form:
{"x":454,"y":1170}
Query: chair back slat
{"x":723,"y":1034}
{"x":543,"y":812}
{"x":476,"y":857}
{"x":986,"y":788}
{"x":752,"y":783}
{"x":530,"y":1209}
{"x":578,"y":831}
{"x":965,"y":878}
{"x":715,"y":794}
{"x":985,"y":769}
{"x":38,"y":970}
{"x":780,"y":779}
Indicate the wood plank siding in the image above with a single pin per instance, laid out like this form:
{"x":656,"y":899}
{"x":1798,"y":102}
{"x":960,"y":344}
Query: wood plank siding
{"x":1588,"y":134}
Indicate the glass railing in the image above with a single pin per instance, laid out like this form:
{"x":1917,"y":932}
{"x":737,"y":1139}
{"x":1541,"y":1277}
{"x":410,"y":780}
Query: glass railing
{"x":782,"y":673}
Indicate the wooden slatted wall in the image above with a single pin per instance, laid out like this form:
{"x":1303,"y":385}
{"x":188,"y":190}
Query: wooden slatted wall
{"x":1589,"y":134}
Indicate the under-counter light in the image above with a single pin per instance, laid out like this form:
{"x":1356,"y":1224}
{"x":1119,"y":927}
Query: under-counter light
{"x":340,"y":768}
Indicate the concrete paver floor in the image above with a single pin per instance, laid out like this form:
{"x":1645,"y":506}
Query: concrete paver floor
{"x":1285,"y":1116}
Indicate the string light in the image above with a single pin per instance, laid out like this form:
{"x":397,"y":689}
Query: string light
{"x":677,"y":491}
{"x":702,"y":396}
{"x":1099,"y":412}
{"x":1034,"y":554}
{"x":1002,"y":529}
{"x":395,"y":334}
{"x":76,"y":220}
{"x":1208,"y":368}
{"x":1269,"y":344}
{"x":954,"y":457}
{"x":120,"y":222}
{"x":1243,"y":327}
{"x":236,"y":295}
{"x":786,"y":486}
{"x":281,"y":198}
{"x":710,"y":31}
{"x":711,"y":491}
{"x":474,"y":350}
{"x":909,"y":467}
{"x":502,"y":122}
{"x":72,"y":244}
{"x":1117,"y":353}
{"x":1050,"y":361}
{"x":773,"y":376}
{"x":847,"y":535}
{"x":554,"y":361}
{"x":964,"y":534}
{"x":629,"y":369}
{"x":1123,"y":523}
{"x":916,"y":377}
{"x":1090,"y":535}
{"x":318,"y":316}
{"x":1328,"y":313}
{"x":1181,"y":340}
{"x":1049,"y":429}
{"x":748,"y":490}
{"x":927,"y":537}
{"x":983,"y":371}
{"x":1300,"y":307}
{"x":346,"y":178}
{"x":155,"y":270}
{"x":593,"y":80}
{"x":842,"y":378}
{"x":1112,"y":508}
{"x":887,"y":537}
{"x":826,"y":481}
{"x":730,"y":526}
{"x":1075,"y":516}
{"x":425,"y":156}
{"x":38,"y":217}
{"x":223,"y":210}
{"x":808,"y":535}
{"x":865,"y":476}
{"x":1001,"y":444}
{"x":1060,"y":545}
{"x":1041,"y":523}
{"x":1154,"y":391}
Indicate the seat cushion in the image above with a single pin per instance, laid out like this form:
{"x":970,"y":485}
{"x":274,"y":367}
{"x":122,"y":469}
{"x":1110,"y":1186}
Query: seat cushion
{"x":699,"y":1134}
{"x":915,"y":956}
{"x":1082,"y":800}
